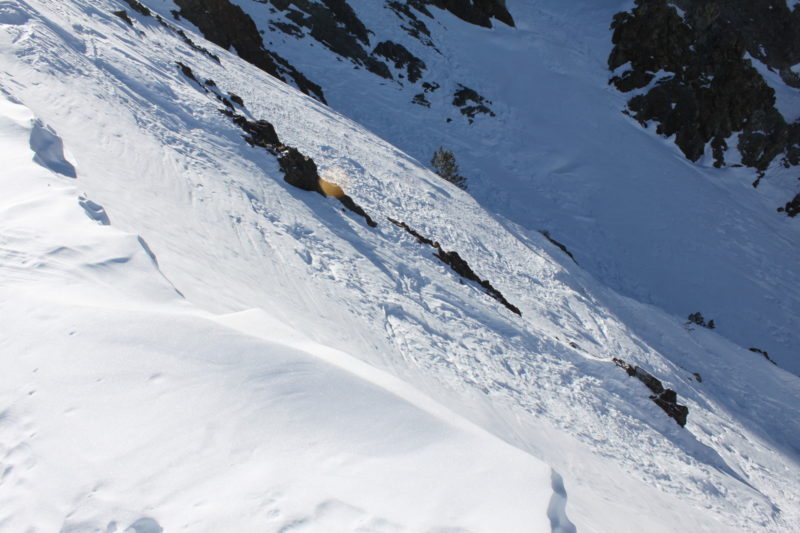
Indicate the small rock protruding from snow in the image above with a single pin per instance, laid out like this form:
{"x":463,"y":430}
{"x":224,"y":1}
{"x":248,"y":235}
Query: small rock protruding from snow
{"x":666,"y":399}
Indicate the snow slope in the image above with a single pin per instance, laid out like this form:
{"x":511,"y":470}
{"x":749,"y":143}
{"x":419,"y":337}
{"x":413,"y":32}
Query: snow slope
{"x":248,"y":386}
{"x":560,"y":156}
{"x":122,"y":405}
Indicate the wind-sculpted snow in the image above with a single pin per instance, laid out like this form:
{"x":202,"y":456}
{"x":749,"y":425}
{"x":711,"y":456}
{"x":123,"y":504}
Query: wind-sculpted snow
{"x":559,"y":521}
{"x":125,"y":409}
{"x":49,"y":150}
{"x":308,"y":437}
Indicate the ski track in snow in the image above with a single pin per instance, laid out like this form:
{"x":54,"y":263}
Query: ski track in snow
{"x":151,"y":148}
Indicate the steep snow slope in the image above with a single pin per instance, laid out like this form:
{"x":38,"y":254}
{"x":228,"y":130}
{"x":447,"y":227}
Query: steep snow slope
{"x":124,"y":406}
{"x":150,"y":146}
{"x":560,"y":156}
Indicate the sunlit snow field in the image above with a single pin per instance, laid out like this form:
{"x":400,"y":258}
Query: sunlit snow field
{"x":231,"y":353}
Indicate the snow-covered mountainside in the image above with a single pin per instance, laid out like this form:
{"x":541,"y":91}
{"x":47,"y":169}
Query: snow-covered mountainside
{"x":194,"y":339}
{"x":542,"y":139}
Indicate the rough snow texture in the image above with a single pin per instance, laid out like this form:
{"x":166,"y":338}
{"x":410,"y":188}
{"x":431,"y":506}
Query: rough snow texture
{"x":123,"y":408}
{"x":324,"y":376}
{"x":560,"y":156}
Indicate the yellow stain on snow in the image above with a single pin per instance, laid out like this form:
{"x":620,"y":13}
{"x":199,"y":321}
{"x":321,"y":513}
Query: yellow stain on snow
{"x":330,"y":189}
{"x":332,"y":182}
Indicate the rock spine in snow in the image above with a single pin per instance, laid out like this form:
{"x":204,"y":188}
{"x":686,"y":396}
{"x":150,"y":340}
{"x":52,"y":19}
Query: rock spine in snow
{"x":458,"y":264}
{"x":298,"y":169}
{"x":666,"y":399}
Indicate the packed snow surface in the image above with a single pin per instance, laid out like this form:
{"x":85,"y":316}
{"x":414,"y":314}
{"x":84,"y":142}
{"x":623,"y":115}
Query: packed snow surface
{"x":191,"y":344}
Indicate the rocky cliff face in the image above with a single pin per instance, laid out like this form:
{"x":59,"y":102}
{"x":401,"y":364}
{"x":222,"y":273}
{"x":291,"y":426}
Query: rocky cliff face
{"x":335,"y":25}
{"x":768,"y":29}
{"x":226,"y":25}
{"x":689,"y":64}
{"x":479,"y":12}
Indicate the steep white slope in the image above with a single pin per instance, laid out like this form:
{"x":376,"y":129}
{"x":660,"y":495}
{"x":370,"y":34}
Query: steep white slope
{"x":122,"y":408}
{"x":151,"y":147}
{"x":560,"y":156}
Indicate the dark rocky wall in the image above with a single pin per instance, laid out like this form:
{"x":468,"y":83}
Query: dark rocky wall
{"x":480,"y":12}
{"x":711,"y":89}
{"x":401,"y":58}
{"x":334,"y":24}
{"x":227,"y":26}
{"x":768,"y":29}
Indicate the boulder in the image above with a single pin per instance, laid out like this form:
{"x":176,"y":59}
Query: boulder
{"x":299,"y":170}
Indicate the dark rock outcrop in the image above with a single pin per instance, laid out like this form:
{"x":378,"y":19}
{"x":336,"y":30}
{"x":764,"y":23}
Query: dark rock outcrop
{"x":666,"y":399}
{"x":350,"y":204}
{"x":707,"y":89}
{"x":334,"y":24}
{"x":697,"y":319}
{"x":139,"y":8}
{"x":257,"y":132}
{"x":420,"y":99}
{"x":458,"y":264}
{"x":145,"y":12}
{"x":226,"y":25}
{"x":413,"y":25}
{"x":768,"y":29}
{"x":558,"y":245}
{"x":471,"y":103}
{"x":210,"y":86}
{"x":236,"y":99}
{"x":764,"y":354}
{"x":185,"y":38}
{"x":298,"y":169}
{"x":187,"y":71}
{"x":402,"y":58}
{"x":260,"y":133}
{"x":480,"y":12}
{"x":792,"y":207}
{"x":124,"y":16}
